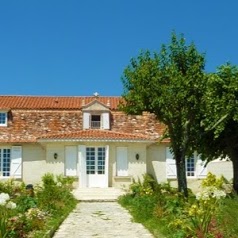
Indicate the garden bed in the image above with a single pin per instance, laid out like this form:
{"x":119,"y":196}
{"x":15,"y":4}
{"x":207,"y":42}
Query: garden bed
{"x":27,"y":211}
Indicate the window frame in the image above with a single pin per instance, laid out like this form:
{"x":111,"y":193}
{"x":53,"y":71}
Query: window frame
{"x":100,"y":121}
{"x":98,"y":163}
{"x":4,"y":113}
{"x":2,"y":162}
{"x":192,"y":166}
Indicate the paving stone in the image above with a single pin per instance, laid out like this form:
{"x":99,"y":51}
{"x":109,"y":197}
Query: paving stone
{"x":100,"y":220}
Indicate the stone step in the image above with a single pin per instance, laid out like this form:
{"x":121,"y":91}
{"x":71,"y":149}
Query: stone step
{"x":97,"y":194}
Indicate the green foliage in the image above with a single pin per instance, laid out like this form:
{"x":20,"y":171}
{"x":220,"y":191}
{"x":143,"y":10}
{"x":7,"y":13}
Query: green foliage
{"x":33,"y":212}
{"x":147,"y":187}
{"x":169,"y":84}
{"x":167,"y":212}
{"x":25,"y":202}
{"x":219,"y":124}
{"x":212,"y":181}
{"x":228,"y":219}
{"x":12,"y":187}
{"x":53,"y":193}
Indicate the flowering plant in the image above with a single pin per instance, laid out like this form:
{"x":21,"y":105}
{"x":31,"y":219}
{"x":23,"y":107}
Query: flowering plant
{"x":198,"y":218}
{"x":36,"y":218}
{"x":5,"y":205}
{"x":204,"y":209}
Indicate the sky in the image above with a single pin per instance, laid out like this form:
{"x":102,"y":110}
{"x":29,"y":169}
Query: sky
{"x":79,"y":47}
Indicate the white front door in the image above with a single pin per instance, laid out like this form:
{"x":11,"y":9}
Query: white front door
{"x":93,"y":166}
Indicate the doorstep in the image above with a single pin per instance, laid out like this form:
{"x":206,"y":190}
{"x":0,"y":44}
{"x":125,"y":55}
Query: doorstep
{"x":98,"y":194}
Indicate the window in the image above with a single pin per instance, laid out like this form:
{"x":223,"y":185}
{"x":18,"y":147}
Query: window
{"x":95,"y":121}
{"x":5,"y":162}
{"x":190,"y":167}
{"x":95,"y":160}
{"x":3,"y":119}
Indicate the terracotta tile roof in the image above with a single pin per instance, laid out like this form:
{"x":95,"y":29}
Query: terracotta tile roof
{"x":96,"y":135}
{"x":53,"y":102}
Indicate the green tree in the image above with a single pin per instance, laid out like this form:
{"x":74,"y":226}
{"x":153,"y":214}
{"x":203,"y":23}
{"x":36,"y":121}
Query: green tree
{"x":169,"y":84}
{"x":220,"y":123}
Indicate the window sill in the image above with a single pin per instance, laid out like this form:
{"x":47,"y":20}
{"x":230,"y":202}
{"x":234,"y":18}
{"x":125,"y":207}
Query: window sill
{"x":125,"y":178}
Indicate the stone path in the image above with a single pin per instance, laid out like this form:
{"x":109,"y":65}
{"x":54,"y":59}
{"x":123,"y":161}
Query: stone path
{"x":100,"y":220}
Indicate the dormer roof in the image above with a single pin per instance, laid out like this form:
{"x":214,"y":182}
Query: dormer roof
{"x":95,"y":105}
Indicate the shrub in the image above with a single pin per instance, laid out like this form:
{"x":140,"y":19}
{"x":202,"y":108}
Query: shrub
{"x":54,"y":193}
{"x":164,"y":210}
{"x":28,"y":212}
{"x":147,"y":187}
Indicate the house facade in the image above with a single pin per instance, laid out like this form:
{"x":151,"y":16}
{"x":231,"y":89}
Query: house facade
{"x":88,"y":138}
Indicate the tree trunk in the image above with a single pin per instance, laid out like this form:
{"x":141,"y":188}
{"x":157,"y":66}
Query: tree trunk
{"x":234,"y":158}
{"x":181,"y":175}
{"x":235,"y":174}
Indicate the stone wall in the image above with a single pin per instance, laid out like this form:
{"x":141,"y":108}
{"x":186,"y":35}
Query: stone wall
{"x":28,"y":125}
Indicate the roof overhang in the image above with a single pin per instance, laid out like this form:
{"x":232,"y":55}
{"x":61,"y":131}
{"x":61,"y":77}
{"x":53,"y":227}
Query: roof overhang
{"x":96,"y":136}
{"x":94,"y":140}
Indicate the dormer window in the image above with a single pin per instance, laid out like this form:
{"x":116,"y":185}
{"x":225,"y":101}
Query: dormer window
{"x":95,"y":121}
{"x":96,"y":116}
{"x":3,"y":118}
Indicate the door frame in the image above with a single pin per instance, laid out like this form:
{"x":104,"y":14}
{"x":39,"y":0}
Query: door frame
{"x":83,"y":178}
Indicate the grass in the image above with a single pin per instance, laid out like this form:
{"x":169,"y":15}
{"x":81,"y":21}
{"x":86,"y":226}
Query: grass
{"x":228,"y":217}
{"x":53,"y":223}
{"x":142,"y":208}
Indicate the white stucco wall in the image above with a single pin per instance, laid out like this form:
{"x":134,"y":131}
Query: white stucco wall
{"x":33,"y":163}
{"x":156,"y":162}
{"x":221,"y":168}
{"x":156,"y":166}
{"x":39,"y":160}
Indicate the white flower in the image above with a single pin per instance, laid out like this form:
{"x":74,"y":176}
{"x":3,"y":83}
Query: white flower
{"x":4,"y":197}
{"x":2,"y":201}
{"x":11,"y":205}
{"x":219,"y":194}
{"x":210,"y":192}
{"x":59,"y":184}
{"x":198,"y":195}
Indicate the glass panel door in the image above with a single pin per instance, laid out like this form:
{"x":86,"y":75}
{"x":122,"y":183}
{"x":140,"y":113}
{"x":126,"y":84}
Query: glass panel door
{"x":96,"y":166}
{"x":101,"y":161}
{"x":90,"y":160}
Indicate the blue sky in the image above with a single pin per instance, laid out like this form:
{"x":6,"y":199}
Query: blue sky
{"x":78,"y":47}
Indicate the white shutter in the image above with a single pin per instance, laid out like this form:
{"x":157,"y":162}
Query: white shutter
{"x":86,"y":120}
{"x":16,"y":162}
{"x":201,"y":170}
{"x":106,"y":120}
{"x":71,"y":161}
{"x":171,"y":171}
{"x":122,"y":161}
{"x":82,"y":166}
